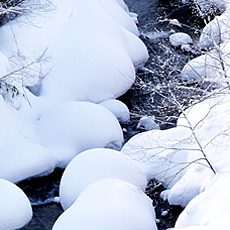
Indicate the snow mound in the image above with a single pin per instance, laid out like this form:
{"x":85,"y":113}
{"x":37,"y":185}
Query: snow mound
{"x":179,"y":39}
{"x":93,"y":165}
{"x":118,"y":108}
{"x":209,"y":68}
{"x":155,"y":152}
{"x":73,"y":127}
{"x":15,"y":211}
{"x":109,"y":204}
{"x":147,"y":123}
{"x":69,"y":53}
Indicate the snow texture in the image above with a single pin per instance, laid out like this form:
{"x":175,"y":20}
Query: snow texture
{"x":15,"y":211}
{"x":109,"y":204}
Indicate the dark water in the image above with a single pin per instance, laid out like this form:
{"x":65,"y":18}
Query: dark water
{"x":142,"y":99}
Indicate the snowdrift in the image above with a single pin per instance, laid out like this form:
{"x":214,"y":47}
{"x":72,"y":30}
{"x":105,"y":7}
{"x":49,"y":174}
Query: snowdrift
{"x":109,"y":204}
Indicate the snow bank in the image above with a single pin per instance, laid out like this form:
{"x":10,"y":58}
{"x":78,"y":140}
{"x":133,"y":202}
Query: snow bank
{"x":91,"y":53}
{"x":119,"y":109}
{"x":93,"y":165}
{"x":73,"y":127}
{"x":15,"y":211}
{"x":109,"y":204}
{"x":175,"y":156}
{"x":209,"y":210}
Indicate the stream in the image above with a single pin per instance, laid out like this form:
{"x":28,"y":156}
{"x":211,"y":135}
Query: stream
{"x":143,"y":99}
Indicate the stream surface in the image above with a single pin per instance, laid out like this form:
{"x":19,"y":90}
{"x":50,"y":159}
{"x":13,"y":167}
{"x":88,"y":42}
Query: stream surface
{"x":164,"y":64}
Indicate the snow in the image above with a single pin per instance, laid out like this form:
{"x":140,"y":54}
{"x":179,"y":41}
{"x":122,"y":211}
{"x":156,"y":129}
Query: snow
{"x":174,"y":22}
{"x":147,"y":123}
{"x":91,"y":56}
{"x":156,"y":152}
{"x":163,"y":154}
{"x":93,"y":165}
{"x":93,"y":29}
{"x":15,"y":211}
{"x":70,"y":128}
{"x":109,"y":204}
{"x":118,"y":108}
{"x":179,"y":39}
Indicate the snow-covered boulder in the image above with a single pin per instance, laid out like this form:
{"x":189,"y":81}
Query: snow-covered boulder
{"x":179,"y":39}
{"x":212,"y":67}
{"x":118,"y":108}
{"x":73,"y":127}
{"x":155,"y":151}
{"x":109,"y":204}
{"x":97,"y":164}
{"x":147,"y":123}
{"x":15,"y":211}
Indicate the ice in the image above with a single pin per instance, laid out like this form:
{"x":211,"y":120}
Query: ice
{"x":15,"y":211}
{"x":109,"y":204}
{"x":96,"y":164}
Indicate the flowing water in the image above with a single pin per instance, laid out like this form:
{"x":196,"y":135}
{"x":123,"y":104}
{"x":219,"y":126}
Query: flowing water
{"x":163,"y":66}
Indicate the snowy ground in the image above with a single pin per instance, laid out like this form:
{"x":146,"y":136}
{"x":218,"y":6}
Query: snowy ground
{"x":69,"y":64}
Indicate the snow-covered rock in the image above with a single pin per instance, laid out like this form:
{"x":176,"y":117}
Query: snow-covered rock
{"x":174,"y":22}
{"x":93,"y":165}
{"x":15,"y":211}
{"x":109,"y":204}
{"x":118,"y":108}
{"x":215,"y":32}
{"x":156,"y":152}
{"x":212,"y":67}
{"x":73,"y":127}
{"x":147,"y":123}
{"x":179,"y":39}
